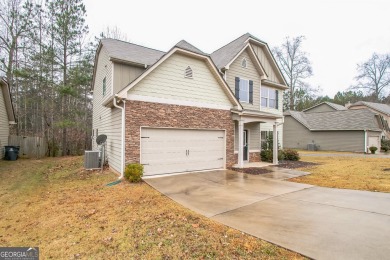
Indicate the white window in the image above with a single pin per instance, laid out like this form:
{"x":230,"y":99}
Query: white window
{"x":269,"y":97}
{"x":243,"y":63}
{"x":188,"y":72}
{"x":244,"y":90}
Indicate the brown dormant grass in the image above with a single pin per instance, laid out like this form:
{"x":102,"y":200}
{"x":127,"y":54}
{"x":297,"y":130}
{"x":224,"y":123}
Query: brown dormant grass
{"x":70,"y":213}
{"x":348,"y":173}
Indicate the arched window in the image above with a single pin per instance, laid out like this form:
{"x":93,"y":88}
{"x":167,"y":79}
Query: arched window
{"x":188,"y":72}
{"x":243,"y":63}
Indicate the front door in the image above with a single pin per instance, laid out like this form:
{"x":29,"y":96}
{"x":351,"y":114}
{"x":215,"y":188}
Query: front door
{"x":245,"y":145}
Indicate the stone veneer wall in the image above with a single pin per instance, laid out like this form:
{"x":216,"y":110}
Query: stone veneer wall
{"x":145,"y":114}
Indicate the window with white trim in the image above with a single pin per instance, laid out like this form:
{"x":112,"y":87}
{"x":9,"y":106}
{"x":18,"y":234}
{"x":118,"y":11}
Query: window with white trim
{"x":269,"y":97}
{"x":244,"y":90}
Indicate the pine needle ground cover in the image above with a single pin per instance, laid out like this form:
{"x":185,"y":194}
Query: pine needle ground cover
{"x":70,"y":214}
{"x":371,"y":174}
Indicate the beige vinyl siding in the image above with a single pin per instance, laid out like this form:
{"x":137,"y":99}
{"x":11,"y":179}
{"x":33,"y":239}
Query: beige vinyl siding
{"x":295,"y":135}
{"x":278,"y":111}
{"x":254,"y":136}
{"x":124,"y":74}
{"x":269,"y":68}
{"x":321,"y":108}
{"x":4,"y":124}
{"x":167,"y":81}
{"x":248,"y":73}
{"x":106,"y":120}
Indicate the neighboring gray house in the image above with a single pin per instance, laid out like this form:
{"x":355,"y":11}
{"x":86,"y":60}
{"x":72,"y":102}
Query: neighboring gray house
{"x":381,"y":109}
{"x":324,"y":107}
{"x":337,"y":130}
{"x":7,"y":115}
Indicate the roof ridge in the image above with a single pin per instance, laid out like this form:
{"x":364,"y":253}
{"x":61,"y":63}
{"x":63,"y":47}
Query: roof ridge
{"x":230,"y":42}
{"x":133,"y":44}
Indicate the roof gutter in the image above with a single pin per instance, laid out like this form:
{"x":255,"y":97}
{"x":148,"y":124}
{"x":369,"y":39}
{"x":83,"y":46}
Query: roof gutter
{"x":115,"y":100}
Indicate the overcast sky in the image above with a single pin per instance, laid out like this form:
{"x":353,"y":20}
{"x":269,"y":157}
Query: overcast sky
{"x":339,"y":34}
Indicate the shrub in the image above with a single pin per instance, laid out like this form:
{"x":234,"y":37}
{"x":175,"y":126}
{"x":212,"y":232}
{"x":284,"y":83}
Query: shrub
{"x":267,"y":155}
{"x":373,"y":149}
{"x":134,"y":172}
{"x":385,"y":148}
{"x":291,"y":155}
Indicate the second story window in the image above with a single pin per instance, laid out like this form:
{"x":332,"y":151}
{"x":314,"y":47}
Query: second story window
{"x":244,"y":90}
{"x":269,"y":97}
{"x":104,"y":86}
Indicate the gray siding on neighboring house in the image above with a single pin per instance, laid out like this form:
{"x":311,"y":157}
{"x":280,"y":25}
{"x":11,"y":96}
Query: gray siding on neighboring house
{"x":295,"y":135}
{"x":4,"y":124}
{"x":248,"y":73}
{"x":124,"y":74}
{"x":106,"y":120}
{"x":321,"y":108}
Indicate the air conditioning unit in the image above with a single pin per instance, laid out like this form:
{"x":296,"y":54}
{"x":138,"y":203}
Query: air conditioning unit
{"x":92,"y":160}
{"x":312,"y":147}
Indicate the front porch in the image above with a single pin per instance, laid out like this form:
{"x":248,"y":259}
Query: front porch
{"x":247,"y":117}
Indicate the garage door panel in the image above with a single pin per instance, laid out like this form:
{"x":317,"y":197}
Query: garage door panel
{"x":180,"y":150}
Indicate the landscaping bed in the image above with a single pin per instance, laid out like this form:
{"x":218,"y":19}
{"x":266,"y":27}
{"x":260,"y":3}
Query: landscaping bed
{"x":296,"y":164}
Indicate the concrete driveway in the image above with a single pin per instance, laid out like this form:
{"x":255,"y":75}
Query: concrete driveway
{"x":321,"y":223}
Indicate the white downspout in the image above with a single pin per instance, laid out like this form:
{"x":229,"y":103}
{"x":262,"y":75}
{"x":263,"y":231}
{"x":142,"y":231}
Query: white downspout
{"x":123,"y":135}
{"x":365,"y":141}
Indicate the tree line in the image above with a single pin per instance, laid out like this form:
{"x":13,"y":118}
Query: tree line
{"x":48,"y":63}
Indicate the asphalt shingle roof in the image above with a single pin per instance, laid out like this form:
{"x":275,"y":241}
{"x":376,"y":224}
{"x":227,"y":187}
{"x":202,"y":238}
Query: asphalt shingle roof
{"x":332,"y":105}
{"x":362,"y":119}
{"x":384,"y":108}
{"x":131,"y":52}
{"x":189,"y":47}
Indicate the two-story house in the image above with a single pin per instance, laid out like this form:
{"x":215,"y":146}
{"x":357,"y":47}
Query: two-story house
{"x":185,"y":110}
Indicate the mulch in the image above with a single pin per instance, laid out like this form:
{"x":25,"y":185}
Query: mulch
{"x":282,"y":164}
{"x":296,"y":164}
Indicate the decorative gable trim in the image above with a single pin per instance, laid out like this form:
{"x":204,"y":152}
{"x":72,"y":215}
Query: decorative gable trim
{"x":4,"y":87}
{"x":253,"y":56}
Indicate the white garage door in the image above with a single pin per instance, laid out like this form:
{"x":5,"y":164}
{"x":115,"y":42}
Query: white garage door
{"x":180,"y":150}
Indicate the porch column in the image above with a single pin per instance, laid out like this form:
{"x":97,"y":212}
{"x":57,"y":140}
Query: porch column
{"x":240,"y":143}
{"x":275,"y":145}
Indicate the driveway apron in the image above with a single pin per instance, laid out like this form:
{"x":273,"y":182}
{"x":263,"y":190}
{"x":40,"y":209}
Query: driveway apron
{"x":321,"y":223}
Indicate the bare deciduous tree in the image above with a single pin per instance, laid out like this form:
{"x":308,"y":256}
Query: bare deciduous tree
{"x":374,"y":75}
{"x":296,"y":67}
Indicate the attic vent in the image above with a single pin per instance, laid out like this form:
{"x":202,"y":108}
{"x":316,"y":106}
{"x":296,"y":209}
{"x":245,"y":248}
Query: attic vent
{"x":243,"y":63}
{"x":188,"y":72}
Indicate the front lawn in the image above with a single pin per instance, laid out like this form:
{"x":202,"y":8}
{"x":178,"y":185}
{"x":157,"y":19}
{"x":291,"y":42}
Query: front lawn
{"x":372,"y":174}
{"x":69,"y":213}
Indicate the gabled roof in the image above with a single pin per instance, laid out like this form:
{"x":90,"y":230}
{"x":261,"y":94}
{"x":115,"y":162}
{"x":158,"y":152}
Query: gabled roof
{"x":131,"y":52}
{"x":341,"y":120}
{"x":7,"y":100}
{"x":189,"y":47}
{"x":332,"y":105}
{"x":226,"y":54}
{"x":185,"y":48}
{"x":383,"y":108}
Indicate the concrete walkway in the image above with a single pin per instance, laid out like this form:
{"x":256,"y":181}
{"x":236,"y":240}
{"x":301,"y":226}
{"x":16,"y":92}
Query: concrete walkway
{"x":321,"y":223}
